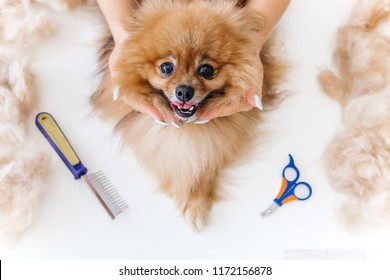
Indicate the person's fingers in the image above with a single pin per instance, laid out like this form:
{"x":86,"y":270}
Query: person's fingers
{"x":254,"y":98}
{"x":155,"y":109}
{"x":112,"y":61}
{"x":250,"y":100}
{"x":143,"y":107}
{"x":226,"y":110}
{"x":161,"y":116}
{"x":257,"y":101}
{"x":166,"y":113}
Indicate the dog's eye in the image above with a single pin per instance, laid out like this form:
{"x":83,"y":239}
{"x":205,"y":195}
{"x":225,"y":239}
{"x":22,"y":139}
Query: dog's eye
{"x":206,"y":71}
{"x":167,"y":69}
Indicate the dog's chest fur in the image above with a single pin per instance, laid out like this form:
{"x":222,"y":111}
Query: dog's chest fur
{"x":178,"y":156}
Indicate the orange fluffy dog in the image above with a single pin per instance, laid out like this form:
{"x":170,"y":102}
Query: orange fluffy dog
{"x":188,"y":57}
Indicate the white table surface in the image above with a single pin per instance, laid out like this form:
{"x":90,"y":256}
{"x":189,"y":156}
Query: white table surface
{"x":71,"y":224}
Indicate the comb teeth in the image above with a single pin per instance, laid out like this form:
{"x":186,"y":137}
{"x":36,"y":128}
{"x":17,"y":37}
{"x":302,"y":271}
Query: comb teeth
{"x":106,"y":193}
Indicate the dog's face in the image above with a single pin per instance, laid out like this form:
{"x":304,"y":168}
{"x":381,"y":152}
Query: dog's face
{"x":189,"y":58}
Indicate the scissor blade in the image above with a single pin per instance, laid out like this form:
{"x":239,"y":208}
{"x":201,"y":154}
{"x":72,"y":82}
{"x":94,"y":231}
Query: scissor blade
{"x":270,"y":210}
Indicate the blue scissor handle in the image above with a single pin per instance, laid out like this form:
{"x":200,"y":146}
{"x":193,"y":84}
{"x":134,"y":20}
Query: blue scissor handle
{"x":291,"y":165}
{"x":289,"y":185}
{"x":302,"y":197}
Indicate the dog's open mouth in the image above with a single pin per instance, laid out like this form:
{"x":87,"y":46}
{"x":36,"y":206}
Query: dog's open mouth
{"x":185,"y":110}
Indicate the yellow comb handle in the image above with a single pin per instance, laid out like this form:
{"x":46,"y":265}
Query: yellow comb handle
{"x":50,"y":129}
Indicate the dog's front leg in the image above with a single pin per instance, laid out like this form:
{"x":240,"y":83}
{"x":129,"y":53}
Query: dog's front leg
{"x":200,"y":200}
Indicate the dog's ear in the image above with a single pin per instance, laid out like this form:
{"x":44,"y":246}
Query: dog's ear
{"x":252,"y":27}
{"x":254,"y":23}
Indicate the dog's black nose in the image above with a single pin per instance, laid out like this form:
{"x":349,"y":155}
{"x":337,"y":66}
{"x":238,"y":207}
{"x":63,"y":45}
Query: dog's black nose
{"x":184,"y":93}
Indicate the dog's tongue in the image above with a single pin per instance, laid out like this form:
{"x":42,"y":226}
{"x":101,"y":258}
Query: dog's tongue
{"x":183,"y":105}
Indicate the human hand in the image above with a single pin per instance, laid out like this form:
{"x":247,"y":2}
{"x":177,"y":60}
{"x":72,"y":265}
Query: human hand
{"x":248,"y":102}
{"x":274,"y":10}
{"x":150,"y":107}
{"x":252,"y":98}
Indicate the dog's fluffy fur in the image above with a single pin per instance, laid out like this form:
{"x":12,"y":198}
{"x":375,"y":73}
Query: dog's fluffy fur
{"x":23,"y":166}
{"x":357,"y":160}
{"x":187,"y":162}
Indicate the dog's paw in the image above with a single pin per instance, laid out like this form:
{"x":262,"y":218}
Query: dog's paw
{"x":196,"y":213}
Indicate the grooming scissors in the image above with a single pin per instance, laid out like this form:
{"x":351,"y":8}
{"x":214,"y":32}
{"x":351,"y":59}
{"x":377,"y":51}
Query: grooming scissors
{"x":291,"y":189}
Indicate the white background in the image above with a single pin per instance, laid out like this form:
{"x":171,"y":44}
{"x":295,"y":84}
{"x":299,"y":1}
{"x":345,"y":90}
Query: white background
{"x":71,"y":224}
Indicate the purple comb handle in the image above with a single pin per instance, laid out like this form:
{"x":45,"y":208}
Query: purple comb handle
{"x":52,"y":132}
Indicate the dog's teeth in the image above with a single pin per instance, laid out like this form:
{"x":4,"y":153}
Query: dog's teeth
{"x":192,"y":108}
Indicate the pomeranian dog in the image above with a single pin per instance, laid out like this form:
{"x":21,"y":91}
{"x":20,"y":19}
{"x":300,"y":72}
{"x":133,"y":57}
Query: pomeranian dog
{"x":187,"y":57}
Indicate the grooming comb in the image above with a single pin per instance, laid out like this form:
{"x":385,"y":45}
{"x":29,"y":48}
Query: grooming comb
{"x":99,"y":184}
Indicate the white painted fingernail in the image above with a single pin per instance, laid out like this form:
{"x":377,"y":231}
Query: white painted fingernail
{"x":202,"y":122}
{"x":174,"y":124}
{"x":161,"y":123}
{"x":115,"y":93}
{"x":258,"y":102}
